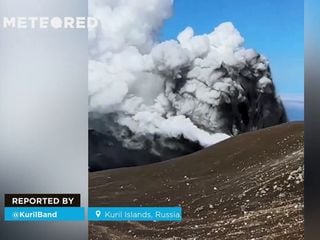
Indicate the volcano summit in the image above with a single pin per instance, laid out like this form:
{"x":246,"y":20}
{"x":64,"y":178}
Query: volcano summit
{"x":152,"y":101}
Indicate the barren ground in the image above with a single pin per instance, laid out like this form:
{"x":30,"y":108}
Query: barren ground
{"x":247,"y":187}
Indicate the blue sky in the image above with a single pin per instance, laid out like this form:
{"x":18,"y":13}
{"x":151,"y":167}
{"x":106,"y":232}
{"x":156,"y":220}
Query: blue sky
{"x":274,"y":28}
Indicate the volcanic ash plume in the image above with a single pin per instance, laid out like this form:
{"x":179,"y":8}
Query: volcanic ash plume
{"x":156,"y":100}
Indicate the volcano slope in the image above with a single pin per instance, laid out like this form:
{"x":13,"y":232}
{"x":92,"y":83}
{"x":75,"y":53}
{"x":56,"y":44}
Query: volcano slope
{"x":246,"y":187}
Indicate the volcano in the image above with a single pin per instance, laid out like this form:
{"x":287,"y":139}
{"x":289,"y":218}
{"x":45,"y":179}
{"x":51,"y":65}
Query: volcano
{"x":152,"y":100}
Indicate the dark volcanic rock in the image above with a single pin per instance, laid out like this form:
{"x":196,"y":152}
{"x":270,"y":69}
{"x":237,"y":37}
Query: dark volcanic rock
{"x":247,"y":187}
{"x":107,"y":152}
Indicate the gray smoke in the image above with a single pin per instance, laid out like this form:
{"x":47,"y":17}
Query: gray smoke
{"x":152,"y":101}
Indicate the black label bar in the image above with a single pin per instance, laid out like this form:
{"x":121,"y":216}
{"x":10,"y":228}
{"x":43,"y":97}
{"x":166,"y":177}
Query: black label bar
{"x":42,"y":200}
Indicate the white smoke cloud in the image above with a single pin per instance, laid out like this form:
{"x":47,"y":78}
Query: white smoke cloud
{"x":144,"y":81}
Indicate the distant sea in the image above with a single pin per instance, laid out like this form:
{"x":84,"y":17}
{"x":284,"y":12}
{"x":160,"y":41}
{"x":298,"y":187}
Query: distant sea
{"x":294,"y":105}
{"x":295,"y":113}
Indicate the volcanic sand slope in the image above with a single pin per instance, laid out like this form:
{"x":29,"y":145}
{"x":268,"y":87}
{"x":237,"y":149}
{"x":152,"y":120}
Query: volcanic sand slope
{"x":247,"y":187}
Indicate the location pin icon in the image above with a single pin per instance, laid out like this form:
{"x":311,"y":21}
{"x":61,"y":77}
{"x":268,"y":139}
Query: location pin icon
{"x":98,"y":213}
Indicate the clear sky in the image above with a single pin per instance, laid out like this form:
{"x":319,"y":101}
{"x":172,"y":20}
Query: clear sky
{"x":275,"y":28}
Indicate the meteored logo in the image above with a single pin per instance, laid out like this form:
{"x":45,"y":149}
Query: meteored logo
{"x":49,"y":22}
